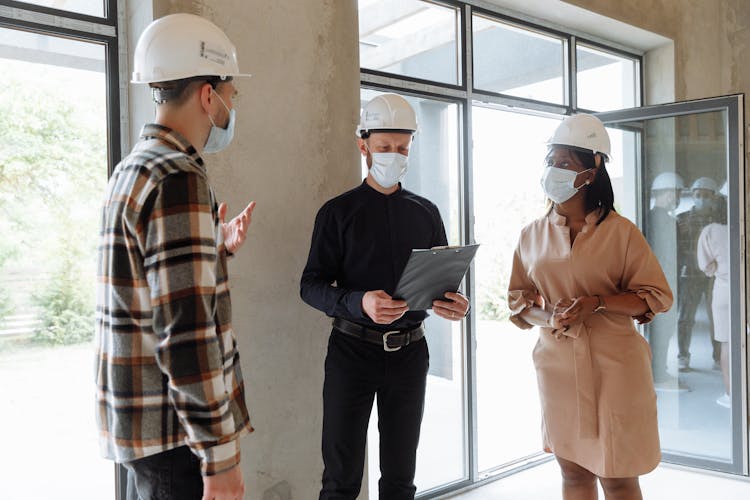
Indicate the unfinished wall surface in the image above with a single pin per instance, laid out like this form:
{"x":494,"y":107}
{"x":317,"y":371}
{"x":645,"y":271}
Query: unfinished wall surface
{"x":711,"y":41}
{"x":293,"y":149}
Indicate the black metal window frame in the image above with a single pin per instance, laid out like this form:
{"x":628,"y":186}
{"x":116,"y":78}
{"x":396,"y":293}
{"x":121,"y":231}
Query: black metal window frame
{"x":80,"y":27}
{"x":75,"y":26}
{"x":466,"y":95}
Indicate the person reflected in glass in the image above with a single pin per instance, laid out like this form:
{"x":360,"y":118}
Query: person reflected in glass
{"x":693,"y":285}
{"x":583,"y":273}
{"x":661,"y":233}
{"x":713,"y":260}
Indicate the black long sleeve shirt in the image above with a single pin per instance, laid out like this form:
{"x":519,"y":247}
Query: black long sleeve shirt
{"x":361,"y":242}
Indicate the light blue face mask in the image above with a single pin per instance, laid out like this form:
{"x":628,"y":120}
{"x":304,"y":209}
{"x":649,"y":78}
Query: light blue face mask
{"x":219,"y":138}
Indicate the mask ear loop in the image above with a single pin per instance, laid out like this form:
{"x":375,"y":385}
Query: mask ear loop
{"x":213,"y":124}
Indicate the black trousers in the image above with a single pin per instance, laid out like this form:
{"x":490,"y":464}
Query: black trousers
{"x":660,"y":332}
{"x":355,"y":373}
{"x":690,"y":292}
{"x":170,"y":475}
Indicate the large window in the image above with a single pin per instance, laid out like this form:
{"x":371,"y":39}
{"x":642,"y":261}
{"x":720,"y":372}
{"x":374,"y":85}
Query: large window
{"x":530,"y":65}
{"x":59,"y":133}
{"x":487,"y":102}
{"x":410,"y":38}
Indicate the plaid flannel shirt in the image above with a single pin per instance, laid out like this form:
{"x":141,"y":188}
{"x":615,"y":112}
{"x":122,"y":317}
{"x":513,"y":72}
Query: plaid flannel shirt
{"x":167,"y":370}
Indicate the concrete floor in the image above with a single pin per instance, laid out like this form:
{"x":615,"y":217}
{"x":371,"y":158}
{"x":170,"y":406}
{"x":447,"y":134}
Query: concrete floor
{"x":665,"y":483}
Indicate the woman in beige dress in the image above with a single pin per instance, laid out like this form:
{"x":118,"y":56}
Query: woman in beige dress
{"x":583,"y":273}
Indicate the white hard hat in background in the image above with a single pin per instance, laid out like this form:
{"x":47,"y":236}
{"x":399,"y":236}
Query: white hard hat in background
{"x":667,"y":180}
{"x":582,"y":131}
{"x":387,"y":112}
{"x":181,"y":46}
{"x":704,"y":183}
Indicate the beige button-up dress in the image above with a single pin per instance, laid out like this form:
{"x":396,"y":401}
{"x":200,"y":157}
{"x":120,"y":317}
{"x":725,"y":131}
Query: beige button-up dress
{"x":595,"y":384}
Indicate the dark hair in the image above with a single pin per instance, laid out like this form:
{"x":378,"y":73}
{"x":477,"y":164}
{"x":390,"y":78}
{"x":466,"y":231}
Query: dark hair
{"x":366,"y":133}
{"x":176,"y":91}
{"x":598,"y":194}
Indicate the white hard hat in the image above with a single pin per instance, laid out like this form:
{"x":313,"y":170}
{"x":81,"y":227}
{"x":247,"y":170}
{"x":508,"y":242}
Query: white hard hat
{"x":667,"y":180}
{"x":181,"y":46}
{"x":583,"y":132}
{"x":387,"y":112}
{"x":705,"y":183}
{"x":724,"y":189}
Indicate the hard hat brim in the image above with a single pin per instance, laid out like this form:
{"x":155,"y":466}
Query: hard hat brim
{"x":160,"y":80}
{"x":551,"y":145}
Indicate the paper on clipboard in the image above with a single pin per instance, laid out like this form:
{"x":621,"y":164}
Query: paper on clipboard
{"x":429,"y":273}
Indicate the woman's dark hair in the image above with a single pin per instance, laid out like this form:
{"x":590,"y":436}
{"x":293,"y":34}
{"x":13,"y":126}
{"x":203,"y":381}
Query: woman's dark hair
{"x":598,"y":194}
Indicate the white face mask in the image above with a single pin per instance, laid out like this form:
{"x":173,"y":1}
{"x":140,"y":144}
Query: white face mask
{"x":559,"y":183}
{"x":388,"y":168}
{"x":219,"y":138}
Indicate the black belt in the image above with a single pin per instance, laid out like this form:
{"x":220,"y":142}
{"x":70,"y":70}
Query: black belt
{"x":391,"y":341}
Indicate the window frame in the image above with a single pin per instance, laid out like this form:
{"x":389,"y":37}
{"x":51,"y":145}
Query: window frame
{"x":74,"y":26}
{"x":109,"y":18}
{"x":460,"y":53}
{"x":93,"y":29}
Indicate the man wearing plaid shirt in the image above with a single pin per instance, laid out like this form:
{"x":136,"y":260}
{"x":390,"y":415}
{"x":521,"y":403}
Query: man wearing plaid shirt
{"x":170,"y":394}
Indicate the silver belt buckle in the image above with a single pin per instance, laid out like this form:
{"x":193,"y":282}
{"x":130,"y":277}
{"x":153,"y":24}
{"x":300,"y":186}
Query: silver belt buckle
{"x":386,"y":347}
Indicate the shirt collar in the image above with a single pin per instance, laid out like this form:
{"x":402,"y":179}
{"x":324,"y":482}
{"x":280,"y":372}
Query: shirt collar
{"x":171,"y":138}
{"x":561,"y":220}
{"x":371,"y":189}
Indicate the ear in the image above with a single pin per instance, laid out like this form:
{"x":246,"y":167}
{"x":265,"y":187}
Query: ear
{"x":362,"y":145}
{"x":206,"y":96}
{"x":598,"y":160}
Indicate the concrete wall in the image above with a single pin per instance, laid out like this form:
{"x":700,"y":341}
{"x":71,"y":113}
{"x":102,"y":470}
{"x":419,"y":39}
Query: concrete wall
{"x":294,"y":148}
{"x":711,"y":41}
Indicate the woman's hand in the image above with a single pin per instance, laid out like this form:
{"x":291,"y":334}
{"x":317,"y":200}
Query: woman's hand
{"x":556,"y":318}
{"x":577,"y":311}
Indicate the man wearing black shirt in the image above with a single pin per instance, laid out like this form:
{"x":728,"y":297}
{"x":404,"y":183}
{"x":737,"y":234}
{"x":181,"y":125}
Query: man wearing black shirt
{"x":360,"y":244}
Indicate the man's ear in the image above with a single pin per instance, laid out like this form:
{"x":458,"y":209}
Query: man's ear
{"x":598,"y":160}
{"x":362,"y":145}
{"x":205,"y":95}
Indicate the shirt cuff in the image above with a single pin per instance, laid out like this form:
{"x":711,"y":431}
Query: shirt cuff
{"x":354,"y":305}
{"x":219,"y":458}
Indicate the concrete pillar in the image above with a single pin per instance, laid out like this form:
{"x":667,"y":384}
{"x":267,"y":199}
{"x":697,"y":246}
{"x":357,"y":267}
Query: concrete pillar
{"x":294,"y":149}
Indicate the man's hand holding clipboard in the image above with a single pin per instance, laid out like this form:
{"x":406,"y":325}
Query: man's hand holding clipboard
{"x":431,"y":279}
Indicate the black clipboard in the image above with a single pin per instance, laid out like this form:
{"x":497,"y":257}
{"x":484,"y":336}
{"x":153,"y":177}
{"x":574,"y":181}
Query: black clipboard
{"x":429,"y":273}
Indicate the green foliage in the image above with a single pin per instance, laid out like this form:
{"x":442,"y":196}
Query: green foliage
{"x":501,"y":224}
{"x":53,"y":170}
{"x":66,"y":302}
{"x":6,"y":304}
{"x":67,"y":315}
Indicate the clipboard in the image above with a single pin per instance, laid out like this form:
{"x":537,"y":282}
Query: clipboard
{"x":429,"y":273}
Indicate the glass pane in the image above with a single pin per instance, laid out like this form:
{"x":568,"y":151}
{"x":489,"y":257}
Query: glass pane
{"x":53,"y":170}
{"x":518,"y":62}
{"x":686,"y":223}
{"x":433,"y":173}
{"x":605,"y":81}
{"x":507,"y":196}
{"x":622,"y":172}
{"x":89,"y":7}
{"x":409,"y":38}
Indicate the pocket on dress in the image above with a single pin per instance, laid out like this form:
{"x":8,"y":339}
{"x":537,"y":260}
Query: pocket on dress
{"x":633,"y":439}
